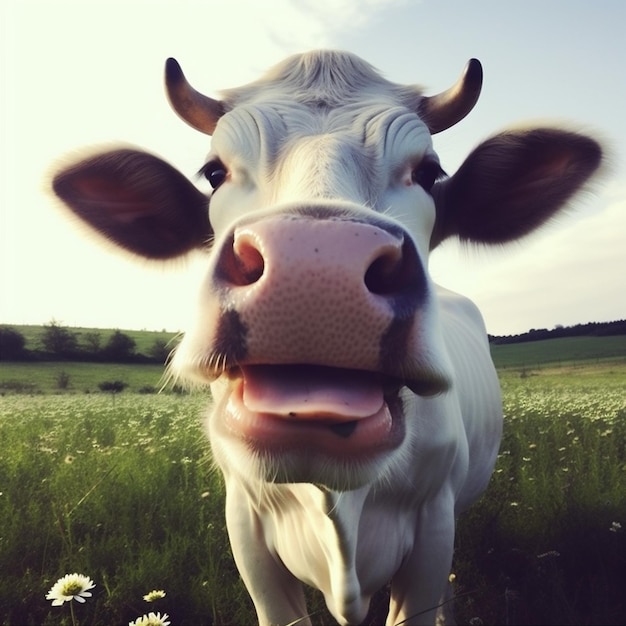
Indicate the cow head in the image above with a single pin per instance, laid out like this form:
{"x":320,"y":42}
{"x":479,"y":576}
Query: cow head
{"x":318,"y":319}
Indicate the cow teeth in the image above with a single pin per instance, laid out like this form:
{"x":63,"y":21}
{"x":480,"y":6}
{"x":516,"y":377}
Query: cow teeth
{"x":344,"y":429}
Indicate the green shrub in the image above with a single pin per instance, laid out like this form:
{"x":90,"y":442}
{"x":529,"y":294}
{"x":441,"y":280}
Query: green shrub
{"x":147,"y":389}
{"x":12,"y":344}
{"x":112,"y":386}
{"x":62,"y":380}
{"x":18,"y":386}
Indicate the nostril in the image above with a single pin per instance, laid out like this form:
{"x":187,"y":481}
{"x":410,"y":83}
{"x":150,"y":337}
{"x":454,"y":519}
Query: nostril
{"x":241,"y":263}
{"x":394,"y":271}
{"x":380,"y":277}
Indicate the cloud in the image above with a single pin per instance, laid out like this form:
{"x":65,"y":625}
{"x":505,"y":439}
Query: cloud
{"x":318,"y":23}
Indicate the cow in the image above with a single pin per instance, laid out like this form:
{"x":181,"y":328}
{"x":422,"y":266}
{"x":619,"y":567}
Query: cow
{"x":355,"y":407}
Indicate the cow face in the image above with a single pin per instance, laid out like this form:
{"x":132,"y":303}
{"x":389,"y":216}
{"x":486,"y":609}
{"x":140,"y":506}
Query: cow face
{"x":318,"y":322}
{"x":317,"y":309}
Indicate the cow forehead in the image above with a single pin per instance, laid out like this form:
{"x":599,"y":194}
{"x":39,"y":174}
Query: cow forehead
{"x":320,"y":92}
{"x":291,"y":152}
{"x":373,"y":133}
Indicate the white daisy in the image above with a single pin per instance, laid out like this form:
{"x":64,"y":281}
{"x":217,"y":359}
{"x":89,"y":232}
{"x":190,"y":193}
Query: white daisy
{"x":70,"y":587}
{"x":154,"y":595}
{"x":152,"y":619}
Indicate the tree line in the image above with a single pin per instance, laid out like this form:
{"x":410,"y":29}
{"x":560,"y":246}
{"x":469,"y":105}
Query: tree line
{"x":591,"y":329}
{"x":60,"y":343}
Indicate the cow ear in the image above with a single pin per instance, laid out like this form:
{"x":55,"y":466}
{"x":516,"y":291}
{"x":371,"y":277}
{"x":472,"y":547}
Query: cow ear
{"x":136,"y":200}
{"x":512,"y":183}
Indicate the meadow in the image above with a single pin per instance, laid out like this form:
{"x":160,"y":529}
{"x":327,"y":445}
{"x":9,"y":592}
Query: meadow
{"x":120,"y":488}
{"x":46,"y":377}
{"x":562,"y":352}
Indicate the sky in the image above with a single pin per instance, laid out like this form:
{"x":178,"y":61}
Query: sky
{"x":83,"y":73}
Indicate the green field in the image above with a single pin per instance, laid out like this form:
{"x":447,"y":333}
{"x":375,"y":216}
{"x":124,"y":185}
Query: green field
{"x":527,"y":359}
{"x":121,"y":489}
{"x":44,"y":377}
{"x":560,"y":352}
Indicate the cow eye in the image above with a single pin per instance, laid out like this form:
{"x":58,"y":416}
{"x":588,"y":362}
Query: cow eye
{"x":426,"y":174}
{"x":215,"y":172}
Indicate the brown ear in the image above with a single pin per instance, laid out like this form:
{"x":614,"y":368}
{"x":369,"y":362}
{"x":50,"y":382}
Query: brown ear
{"x":136,"y":200}
{"x":512,"y":183}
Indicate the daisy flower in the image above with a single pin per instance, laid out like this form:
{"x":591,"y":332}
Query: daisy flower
{"x":70,"y":587}
{"x":154,"y":595}
{"x":152,"y":619}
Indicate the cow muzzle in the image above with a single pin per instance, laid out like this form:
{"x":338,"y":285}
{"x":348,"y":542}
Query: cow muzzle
{"x":325,"y":292}
{"x":316,"y":322}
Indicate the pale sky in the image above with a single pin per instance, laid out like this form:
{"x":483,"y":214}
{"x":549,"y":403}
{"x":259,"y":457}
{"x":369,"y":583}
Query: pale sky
{"x":87,"y":72}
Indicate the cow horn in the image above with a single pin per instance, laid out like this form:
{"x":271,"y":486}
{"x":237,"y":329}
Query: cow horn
{"x":198,"y":110}
{"x":445,"y":109}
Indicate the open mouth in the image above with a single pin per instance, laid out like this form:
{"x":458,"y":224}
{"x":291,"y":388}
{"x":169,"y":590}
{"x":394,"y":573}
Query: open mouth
{"x":334,"y":411}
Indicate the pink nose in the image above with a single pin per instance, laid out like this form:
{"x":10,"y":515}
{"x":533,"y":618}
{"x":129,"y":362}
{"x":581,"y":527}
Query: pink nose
{"x":318,"y":291}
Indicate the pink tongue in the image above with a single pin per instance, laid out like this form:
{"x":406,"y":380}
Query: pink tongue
{"x":311,"y":392}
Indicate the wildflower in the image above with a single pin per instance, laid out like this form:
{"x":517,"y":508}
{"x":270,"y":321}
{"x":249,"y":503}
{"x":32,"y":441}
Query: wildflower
{"x":152,"y":619}
{"x":70,"y":587}
{"x":154,"y":595}
{"x":452,"y":578}
{"x":615,"y":527}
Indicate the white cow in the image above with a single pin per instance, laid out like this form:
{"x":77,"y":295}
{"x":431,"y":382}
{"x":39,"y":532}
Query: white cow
{"x":356,"y":410}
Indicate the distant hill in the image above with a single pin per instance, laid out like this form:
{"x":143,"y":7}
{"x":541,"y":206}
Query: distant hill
{"x":39,"y":343}
{"x":27,"y":343}
{"x":591,"y":329}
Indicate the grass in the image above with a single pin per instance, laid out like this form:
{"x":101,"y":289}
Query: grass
{"x":27,"y":377}
{"x":560,"y":352}
{"x":121,"y":489}
{"x":549,"y":534}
